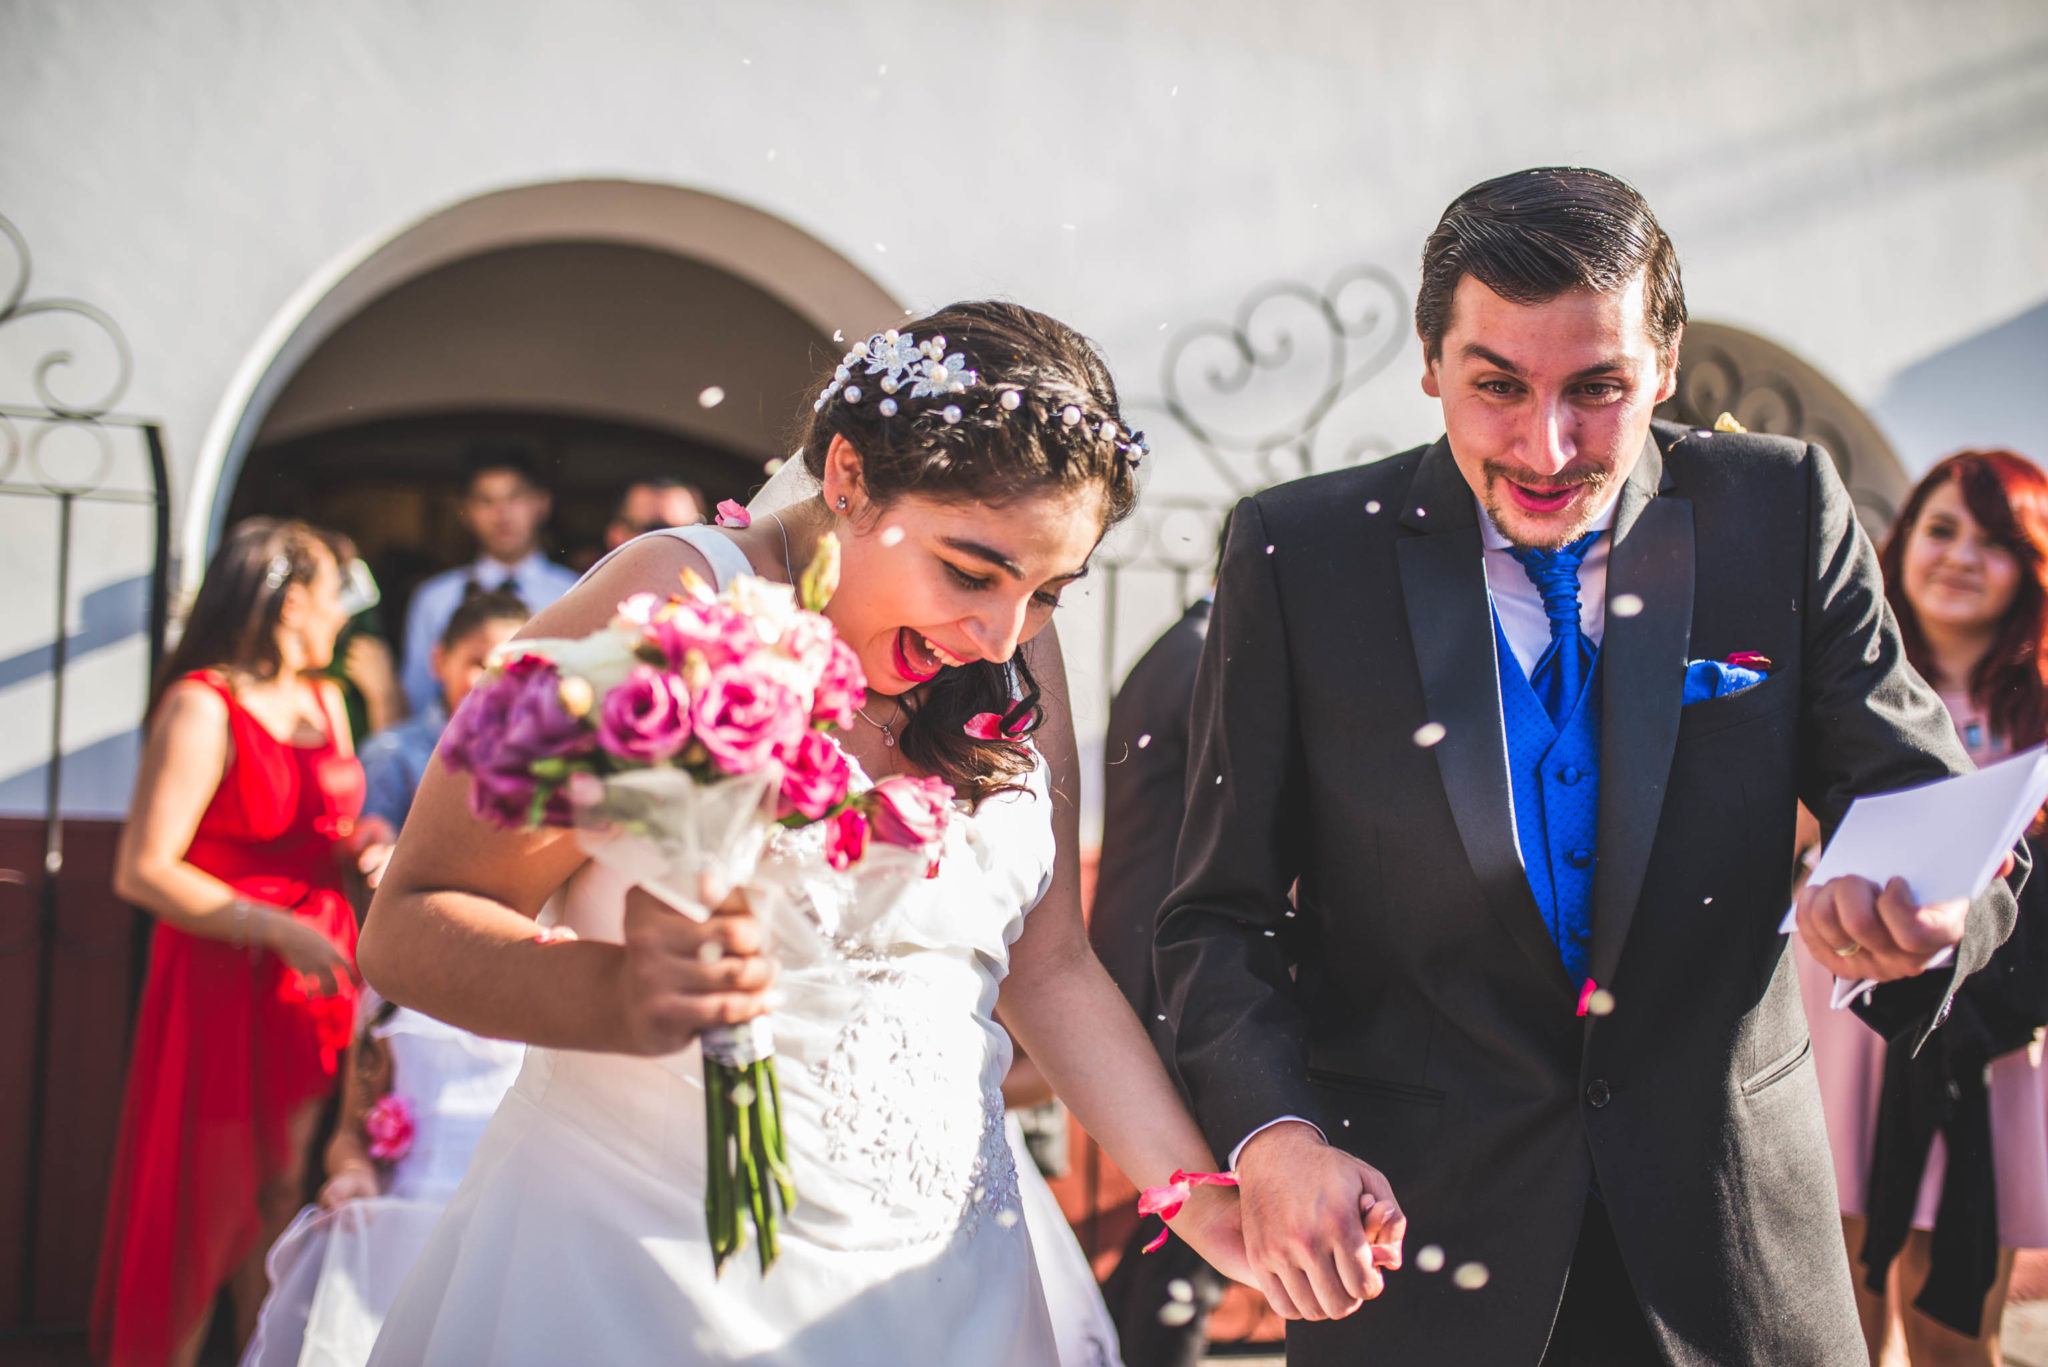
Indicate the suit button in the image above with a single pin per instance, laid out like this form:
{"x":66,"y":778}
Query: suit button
{"x":1597,"y":1093}
{"x":1568,"y":775}
{"x":1579,"y":859}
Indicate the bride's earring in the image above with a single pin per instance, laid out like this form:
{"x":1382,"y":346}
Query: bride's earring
{"x":842,"y":503}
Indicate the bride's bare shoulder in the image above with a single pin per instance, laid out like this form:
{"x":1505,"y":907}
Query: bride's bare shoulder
{"x":652,"y":564}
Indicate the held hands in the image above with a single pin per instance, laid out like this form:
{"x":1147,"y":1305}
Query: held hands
{"x":1858,"y":931}
{"x":306,"y":952}
{"x":1318,"y":1224}
{"x":372,"y":843}
{"x":679,"y":977}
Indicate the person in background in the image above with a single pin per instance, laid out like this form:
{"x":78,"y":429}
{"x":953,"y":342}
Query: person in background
{"x":1941,"y":1176}
{"x":648,"y":505}
{"x":1159,"y":1300}
{"x":504,"y":506}
{"x":245,"y":805}
{"x":395,"y":761}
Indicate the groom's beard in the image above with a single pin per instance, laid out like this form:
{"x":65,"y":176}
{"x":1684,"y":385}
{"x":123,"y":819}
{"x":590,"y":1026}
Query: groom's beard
{"x":1513,"y":521}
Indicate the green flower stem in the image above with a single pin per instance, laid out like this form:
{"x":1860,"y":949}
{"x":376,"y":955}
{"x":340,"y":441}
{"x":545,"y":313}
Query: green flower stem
{"x":747,"y":1167}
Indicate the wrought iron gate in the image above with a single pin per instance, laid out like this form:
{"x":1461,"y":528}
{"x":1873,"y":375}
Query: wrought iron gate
{"x":82,"y":490}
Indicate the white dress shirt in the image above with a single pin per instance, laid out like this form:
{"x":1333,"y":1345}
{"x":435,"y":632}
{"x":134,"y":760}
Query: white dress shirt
{"x":537,"y":580}
{"x":1519,"y":605}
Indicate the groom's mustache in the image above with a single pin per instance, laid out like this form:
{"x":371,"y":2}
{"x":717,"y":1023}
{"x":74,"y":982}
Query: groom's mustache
{"x":1592,"y":477}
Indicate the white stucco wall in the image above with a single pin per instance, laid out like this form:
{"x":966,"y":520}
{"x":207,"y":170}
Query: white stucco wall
{"x":1862,"y":180}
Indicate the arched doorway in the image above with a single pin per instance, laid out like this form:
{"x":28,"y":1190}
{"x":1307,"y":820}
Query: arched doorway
{"x":1723,"y":369}
{"x":591,"y":318}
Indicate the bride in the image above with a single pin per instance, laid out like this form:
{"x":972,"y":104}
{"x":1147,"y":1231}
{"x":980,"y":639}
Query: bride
{"x":968,"y":466}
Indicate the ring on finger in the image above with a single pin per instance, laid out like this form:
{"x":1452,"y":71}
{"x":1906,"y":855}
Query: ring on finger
{"x":1851,"y":951}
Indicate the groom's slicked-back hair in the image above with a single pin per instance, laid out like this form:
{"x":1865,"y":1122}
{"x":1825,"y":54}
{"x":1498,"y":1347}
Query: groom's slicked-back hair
{"x":1532,"y":235}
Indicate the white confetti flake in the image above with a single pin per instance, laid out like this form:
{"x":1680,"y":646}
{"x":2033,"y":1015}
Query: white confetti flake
{"x":1430,"y":1258}
{"x":1162,"y":1015}
{"x":743,"y":1094}
{"x":1601,"y":1003}
{"x":839,"y":334}
{"x":1626,"y":605}
{"x":1429,"y":733}
{"x":1709,"y":902}
{"x":892,"y":536}
{"x":1144,"y":740}
{"x":774,"y":465}
{"x":880,"y":248}
{"x":1171,"y":93}
{"x":1372,"y":505}
{"x":1181,"y":1289}
{"x":1007,"y":1217}
{"x":1422,"y":512}
{"x":1174,"y":1314}
{"x":746,"y":61}
{"x":771,"y":154}
{"x":710,"y":396}
{"x":1470,"y":1276}
{"x":1068,"y":227}
{"x":1219,"y":780}
{"x":1269,"y":550}
{"x":882,"y":70}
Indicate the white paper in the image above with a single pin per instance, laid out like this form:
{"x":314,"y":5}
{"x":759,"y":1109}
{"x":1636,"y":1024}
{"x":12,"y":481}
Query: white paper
{"x":1946,"y":838}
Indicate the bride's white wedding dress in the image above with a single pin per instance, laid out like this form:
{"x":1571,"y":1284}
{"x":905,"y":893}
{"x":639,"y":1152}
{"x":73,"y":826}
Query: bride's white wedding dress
{"x":578,"y":1234}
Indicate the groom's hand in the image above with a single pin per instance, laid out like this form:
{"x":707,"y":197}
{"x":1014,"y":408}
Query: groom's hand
{"x":1318,"y":1223}
{"x":679,"y":977}
{"x":1858,"y":931}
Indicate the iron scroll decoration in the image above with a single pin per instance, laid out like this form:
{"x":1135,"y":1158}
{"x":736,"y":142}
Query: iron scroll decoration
{"x":1253,"y":396}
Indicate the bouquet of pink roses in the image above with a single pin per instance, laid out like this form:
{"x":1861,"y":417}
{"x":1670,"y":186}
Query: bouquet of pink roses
{"x":676,"y":741}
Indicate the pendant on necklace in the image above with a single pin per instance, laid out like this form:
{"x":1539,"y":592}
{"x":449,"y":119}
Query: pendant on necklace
{"x":888,"y":738}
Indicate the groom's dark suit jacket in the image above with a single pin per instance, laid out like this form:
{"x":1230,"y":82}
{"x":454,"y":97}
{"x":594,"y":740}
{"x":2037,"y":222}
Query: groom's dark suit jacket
{"x":1416,"y":1007}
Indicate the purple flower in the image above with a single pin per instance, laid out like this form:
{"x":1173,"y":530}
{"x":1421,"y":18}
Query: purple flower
{"x":645,"y":718}
{"x":501,"y":730}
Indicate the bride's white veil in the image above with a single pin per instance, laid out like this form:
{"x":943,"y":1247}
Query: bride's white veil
{"x":788,"y":486}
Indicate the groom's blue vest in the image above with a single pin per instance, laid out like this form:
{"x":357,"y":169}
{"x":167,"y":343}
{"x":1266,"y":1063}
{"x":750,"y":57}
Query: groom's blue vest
{"x":1555,"y":773}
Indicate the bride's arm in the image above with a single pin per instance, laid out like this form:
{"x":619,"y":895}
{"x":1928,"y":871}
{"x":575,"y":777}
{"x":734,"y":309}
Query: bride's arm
{"x":1065,"y":1010}
{"x":450,"y":931}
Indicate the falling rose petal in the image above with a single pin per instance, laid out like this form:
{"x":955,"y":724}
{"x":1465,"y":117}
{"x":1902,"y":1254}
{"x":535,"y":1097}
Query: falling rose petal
{"x":1601,"y":1003}
{"x":1626,"y":605}
{"x":892,"y":536}
{"x":987,"y":726}
{"x":710,"y":396}
{"x":1586,"y":991}
{"x":1174,"y":1314}
{"x":1470,"y":1276}
{"x":1429,"y":733}
{"x":1144,"y":740}
{"x":731,"y":514}
{"x":1430,"y":1258}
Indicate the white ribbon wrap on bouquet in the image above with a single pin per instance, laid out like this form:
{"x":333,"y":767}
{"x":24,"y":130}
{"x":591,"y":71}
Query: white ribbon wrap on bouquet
{"x":690,"y":844}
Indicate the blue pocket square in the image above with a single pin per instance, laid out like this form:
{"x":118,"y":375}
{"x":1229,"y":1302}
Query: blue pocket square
{"x":1705,"y":679}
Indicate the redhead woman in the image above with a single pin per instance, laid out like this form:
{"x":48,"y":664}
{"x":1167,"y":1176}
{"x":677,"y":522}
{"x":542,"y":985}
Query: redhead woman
{"x":1941,"y":1160}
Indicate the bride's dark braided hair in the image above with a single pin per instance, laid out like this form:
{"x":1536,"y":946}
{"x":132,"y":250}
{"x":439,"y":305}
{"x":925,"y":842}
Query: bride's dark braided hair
{"x":1042,"y":416}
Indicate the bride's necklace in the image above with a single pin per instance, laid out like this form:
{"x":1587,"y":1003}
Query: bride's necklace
{"x":887,"y":728}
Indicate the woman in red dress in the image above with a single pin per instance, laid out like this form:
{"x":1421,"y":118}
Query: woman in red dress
{"x":246,"y":801}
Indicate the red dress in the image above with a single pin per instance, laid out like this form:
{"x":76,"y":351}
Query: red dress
{"x":229,"y":1043}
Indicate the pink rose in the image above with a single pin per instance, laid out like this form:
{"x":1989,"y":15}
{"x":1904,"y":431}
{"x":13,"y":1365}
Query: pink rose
{"x":646,"y":716}
{"x":846,"y":839}
{"x":815,"y":775}
{"x":743,"y":717}
{"x":809,"y":641}
{"x":911,"y":812}
{"x":714,"y":630}
{"x":842,"y":687}
{"x":390,"y":1128}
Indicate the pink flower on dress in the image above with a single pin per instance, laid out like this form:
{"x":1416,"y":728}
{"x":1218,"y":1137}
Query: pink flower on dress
{"x":846,"y":839}
{"x":731,"y":514}
{"x":645,"y":717}
{"x":815,"y":775}
{"x":743,"y":716}
{"x":389,"y":1125}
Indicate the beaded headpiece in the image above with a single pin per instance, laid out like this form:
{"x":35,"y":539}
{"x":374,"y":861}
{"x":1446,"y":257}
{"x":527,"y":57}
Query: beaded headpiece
{"x":898,"y":360}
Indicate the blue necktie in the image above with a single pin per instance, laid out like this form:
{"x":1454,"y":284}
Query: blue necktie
{"x":1562,"y":671}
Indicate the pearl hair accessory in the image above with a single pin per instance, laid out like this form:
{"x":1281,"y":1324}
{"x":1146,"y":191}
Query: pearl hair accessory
{"x":898,"y":359}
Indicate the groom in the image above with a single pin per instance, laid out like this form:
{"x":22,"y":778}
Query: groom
{"x":1523,"y":716}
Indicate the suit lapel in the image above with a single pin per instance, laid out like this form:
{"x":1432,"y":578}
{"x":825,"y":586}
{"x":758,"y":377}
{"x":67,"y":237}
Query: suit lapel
{"x":1450,"y":620}
{"x":1643,"y":658}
